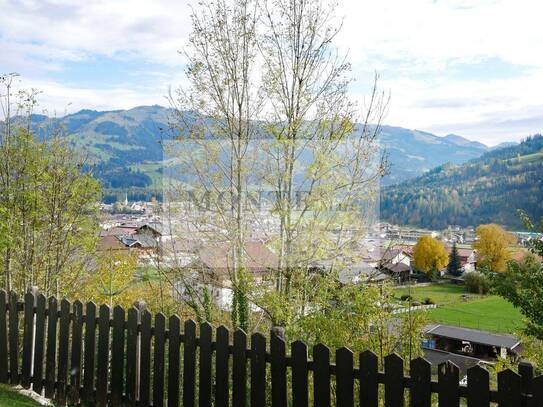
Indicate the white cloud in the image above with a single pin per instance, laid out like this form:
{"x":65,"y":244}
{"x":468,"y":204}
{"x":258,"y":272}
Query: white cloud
{"x":415,"y":45}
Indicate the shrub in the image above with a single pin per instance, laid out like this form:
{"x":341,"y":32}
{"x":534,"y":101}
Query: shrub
{"x":428,"y":301}
{"x":406,"y":297}
{"x":477,"y":283}
{"x":415,"y":304}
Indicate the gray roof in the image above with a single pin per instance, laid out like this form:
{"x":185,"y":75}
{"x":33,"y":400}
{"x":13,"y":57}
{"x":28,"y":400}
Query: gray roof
{"x":437,"y":357}
{"x":473,"y":335}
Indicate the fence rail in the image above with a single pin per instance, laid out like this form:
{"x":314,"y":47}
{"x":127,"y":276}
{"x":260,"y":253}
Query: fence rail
{"x":77,"y":354}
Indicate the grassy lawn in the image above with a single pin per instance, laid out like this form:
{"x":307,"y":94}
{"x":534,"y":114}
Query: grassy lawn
{"x":10,"y":398}
{"x":489,"y":313}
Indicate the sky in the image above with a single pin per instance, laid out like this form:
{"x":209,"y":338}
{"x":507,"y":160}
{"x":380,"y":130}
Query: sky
{"x":468,"y":67}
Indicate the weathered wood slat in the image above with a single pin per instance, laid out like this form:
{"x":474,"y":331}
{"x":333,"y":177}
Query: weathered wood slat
{"x":509,"y":389}
{"x":447,"y":379}
{"x":278,"y":371}
{"x":131,"y":355}
{"x":90,"y":353}
{"x":239,"y":369}
{"x":299,"y":374}
{"x":206,"y":336}
{"x":39,"y":344}
{"x":537,"y":395}
{"x":344,"y":378}
{"x":189,"y":364}
{"x":3,"y":338}
{"x":369,"y":385}
{"x":145,"y":359}
{"x":117,"y":356}
{"x":321,"y":375}
{"x":28,"y":335}
{"x":158,"y":360}
{"x":174,"y":362}
{"x":478,"y":385}
{"x":75,"y":360}
{"x":258,"y":370}
{"x":421,"y":375}
{"x":50,"y":358}
{"x":102,"y":364}
{"x":222,"y":374}
{"x":13,"y":339}
{"x":526,"y":372}
{"x":394,"y":381}
{"x":63,"y":347}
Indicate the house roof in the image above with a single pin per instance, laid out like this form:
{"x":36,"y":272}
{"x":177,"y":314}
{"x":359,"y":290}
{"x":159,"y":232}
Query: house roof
{"x":437,"y":357}
{"x":110,"y":243}
{"x":398,"y":268}
{"x":218,"y":256}
{"x":157,"y":227}
{"x":472,"y":335}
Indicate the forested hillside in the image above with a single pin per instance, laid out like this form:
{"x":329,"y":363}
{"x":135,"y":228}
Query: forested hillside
{"x":487,"y":189}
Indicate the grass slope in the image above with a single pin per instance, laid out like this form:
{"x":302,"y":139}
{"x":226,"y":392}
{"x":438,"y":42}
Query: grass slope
{"x":10,"y":398}
{"x":488,"y":313}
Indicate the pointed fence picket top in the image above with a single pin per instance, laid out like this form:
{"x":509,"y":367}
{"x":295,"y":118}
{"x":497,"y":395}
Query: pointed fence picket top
{"x":78,"y":355}
{"x":298,"y":351}
{"x":239,"y":369}
{"x":369,"y":381}
{"x":206,"y":358}
{"x":420,"y":393}
{"x":344,"y":377}
{"x":447,"y":381}
{"x":321,"y":375}
{"x":394,"y":381}
{"x":478,"y":385}
{"x":222,"y":369}
{"x":509,"y":389}
{"x":174,"y":360}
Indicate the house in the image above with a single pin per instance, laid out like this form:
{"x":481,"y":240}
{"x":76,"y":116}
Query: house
{"x":471,"y":342}
{"x":213,"y":266}
{"x":158,"y":230}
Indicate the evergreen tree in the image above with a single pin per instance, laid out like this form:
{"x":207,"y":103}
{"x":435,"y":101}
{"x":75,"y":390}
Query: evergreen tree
{"x":454,"y":267}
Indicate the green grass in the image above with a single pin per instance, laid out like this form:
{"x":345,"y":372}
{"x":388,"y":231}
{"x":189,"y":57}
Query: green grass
{"x":10,"y":398}
{"x":488,"y":313}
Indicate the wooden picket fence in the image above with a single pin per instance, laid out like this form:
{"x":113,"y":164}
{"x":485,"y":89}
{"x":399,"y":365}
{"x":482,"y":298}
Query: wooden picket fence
{"x":116,"y":358}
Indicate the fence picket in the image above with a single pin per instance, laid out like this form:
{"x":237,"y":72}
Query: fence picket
{"x":189,"y":363}
{"x":478,"y":385}
{"x":50,"y":358}
{"x":132,"y":364}
{"x":369,"y":384}
{"x":344,"y":378}
{"x":421,"y":375}
{"x":131,"y":355}
{"x":278,"y":371}
{"x":63,"y":344}
{"x":28,"y":334}
{"x":509,"y":389}
{"x":117,"y":356}
{"x":299,"y":374}
{"x":174,"y":360}
{"x":158,"y":360}
{"x":145,"y":359}
{"x":13,"y":339}
{"x":75,"y":362}
{"x":447,"y":378}
{"x":90,"y":352}
{"x":258,"y":370}
{"x":206,"y":336}
{"x":222,"y":367}
{"x":3,"y":338}
{"x":102,"y":365}
{"x":321,"y":376}
{"x":239,"y":369}
{"x":393,"y":381}
{"x":39,"y":343}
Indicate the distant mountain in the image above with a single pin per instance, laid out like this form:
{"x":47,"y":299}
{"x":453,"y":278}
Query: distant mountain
{"x":487,"y":189}
{"x":125,"y":147}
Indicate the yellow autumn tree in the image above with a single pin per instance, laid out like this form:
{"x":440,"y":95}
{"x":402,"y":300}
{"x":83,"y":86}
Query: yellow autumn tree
{"x":492,"y":247}
{"x":429,"y":255}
